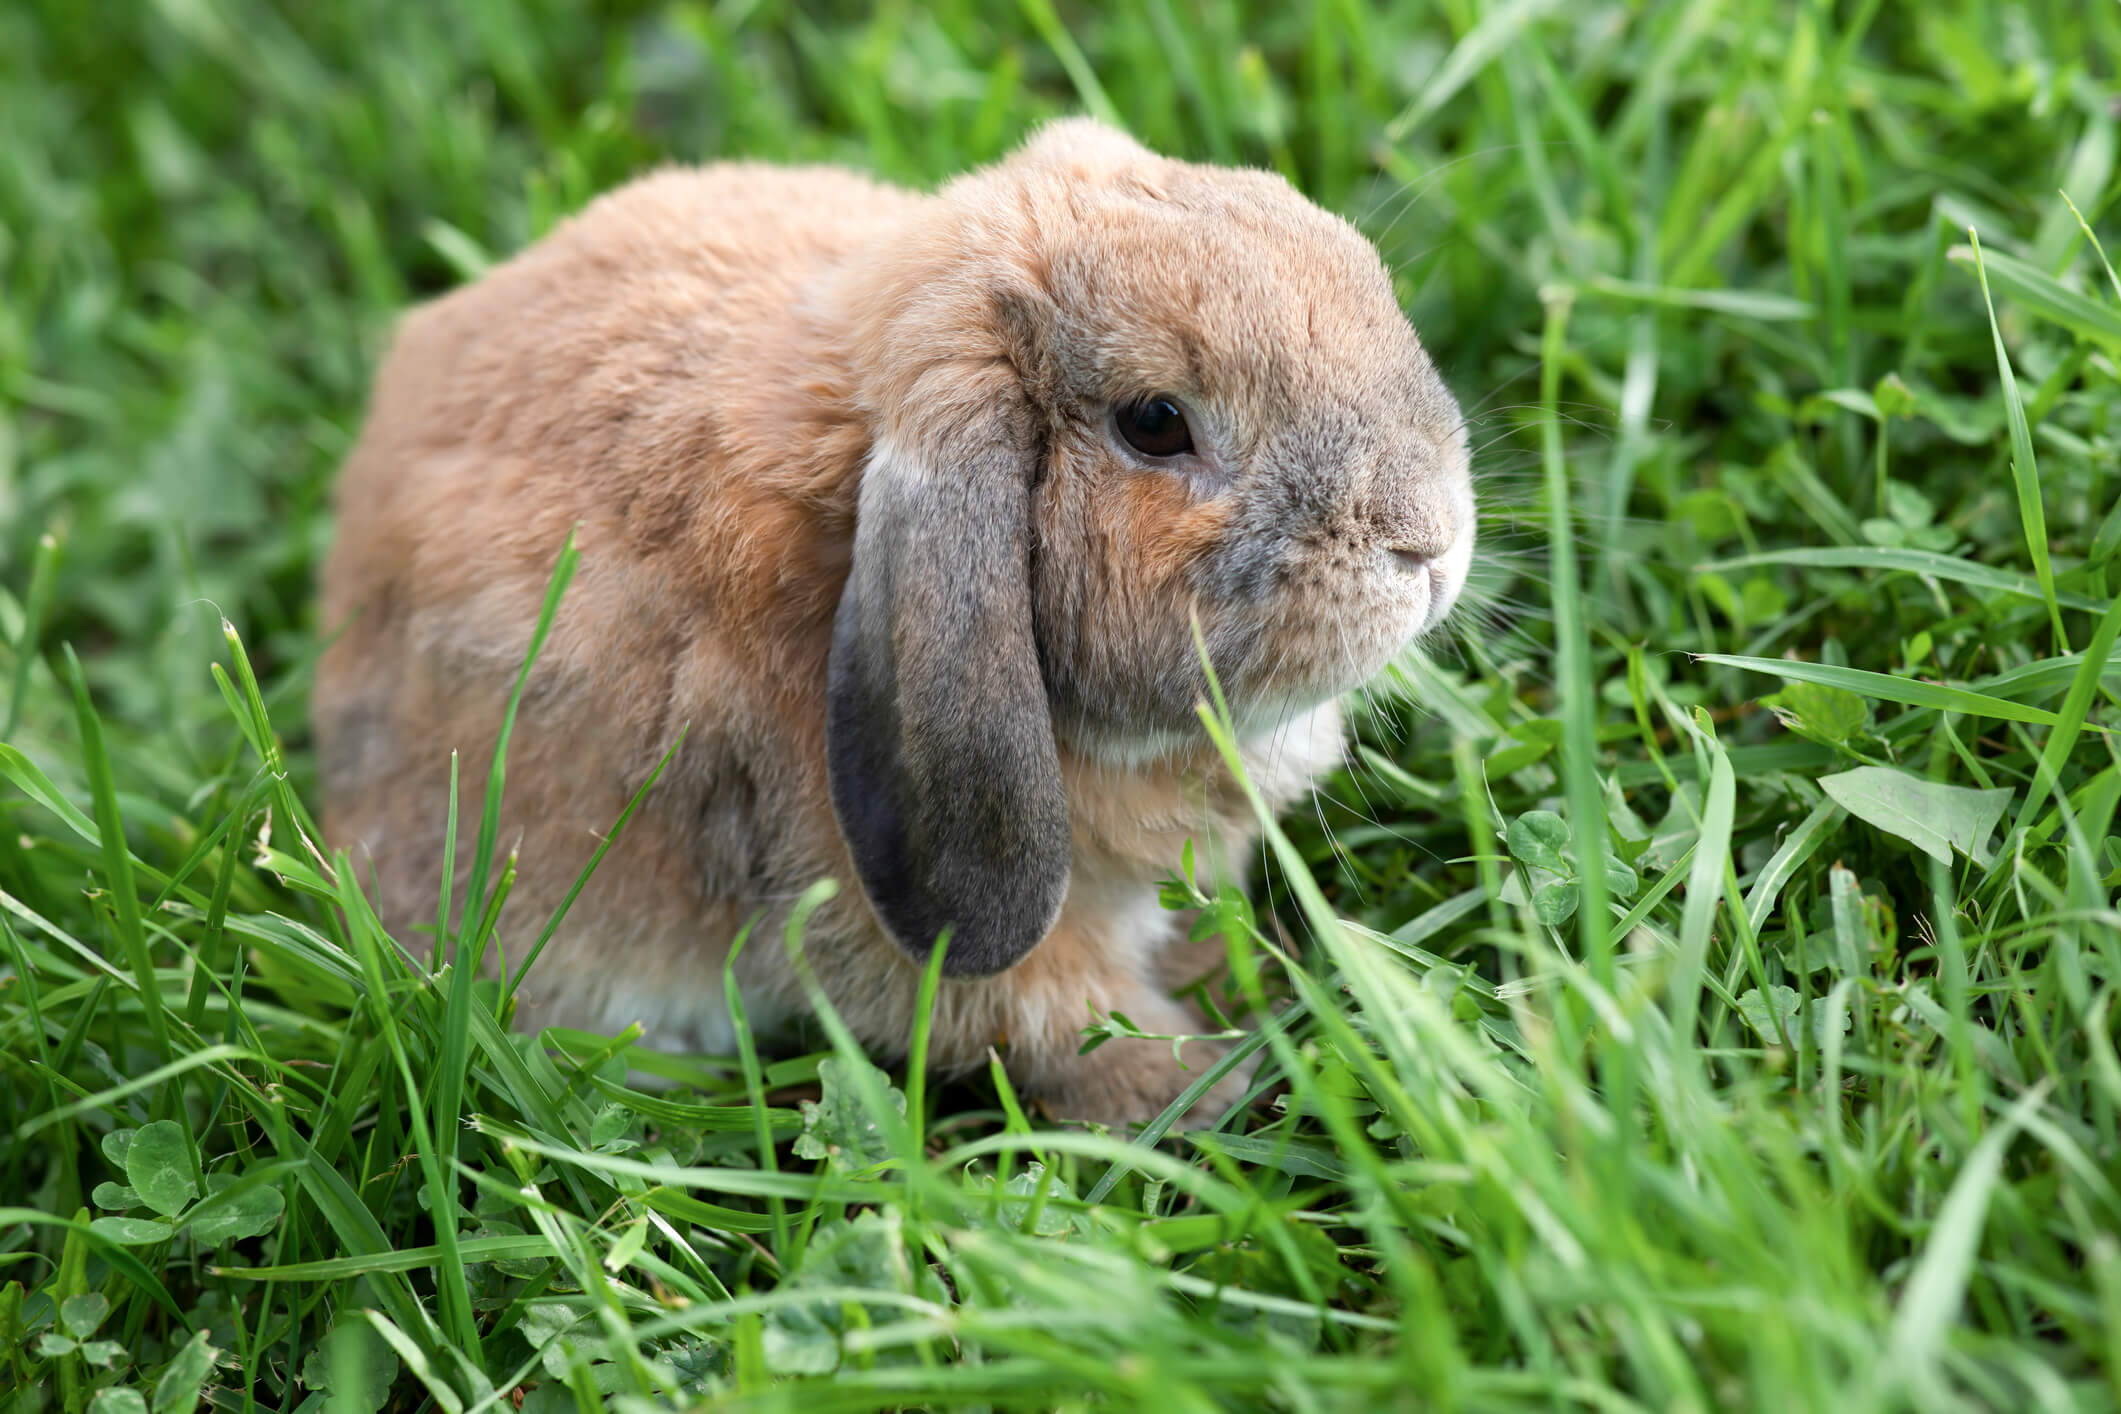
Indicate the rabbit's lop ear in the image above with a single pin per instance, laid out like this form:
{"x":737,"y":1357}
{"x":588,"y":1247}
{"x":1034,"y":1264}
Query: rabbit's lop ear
{"x":940,"y":741}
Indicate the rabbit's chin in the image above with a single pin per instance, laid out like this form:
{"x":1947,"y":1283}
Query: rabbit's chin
{"x":1304,"y":732}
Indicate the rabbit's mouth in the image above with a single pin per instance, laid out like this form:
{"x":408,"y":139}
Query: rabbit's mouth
{"x":1443,"y":577}
{"x":1323,"y":644}
{"x":1345,"y":610}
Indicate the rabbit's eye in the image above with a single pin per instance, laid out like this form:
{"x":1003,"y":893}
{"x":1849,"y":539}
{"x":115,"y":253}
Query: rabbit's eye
{"x":1155,"y":427}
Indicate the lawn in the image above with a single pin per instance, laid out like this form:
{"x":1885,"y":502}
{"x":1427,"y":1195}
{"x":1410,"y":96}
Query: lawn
{"x":1699,"y":992}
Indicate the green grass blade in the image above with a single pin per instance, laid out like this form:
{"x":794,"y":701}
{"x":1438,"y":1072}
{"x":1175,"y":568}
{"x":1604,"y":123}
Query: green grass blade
{"x":1703,"y":891}
{"x":475,"y":899}
{"x":36,"y":604}
{"x":38,"y":787}
{"x":2069,"y":725}
{"x":1579,"y":745}
{"x":104,"y":1099}
{"x":1796,"y":848}
{"x":1476,"y":48}
{"x":1887,"y":688}
{"x":2025,"y":471}
{"x":754,"y":1078}
{"x":118,"y":867}
{"x":1892,"y":558}
{"x":604,"y":845}
{"x":1070,"y":56}
{"x":444,"y":923}
{"x":404,"y":1259}
{"x":2041,"y":293}
{"x":371,"y":948}
{"x":1743,"y":304}
{"x":1929,"y":1303}
{"x":453,"y":1058}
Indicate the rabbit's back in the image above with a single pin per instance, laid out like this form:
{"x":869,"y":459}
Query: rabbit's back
{"x":621,"y":357}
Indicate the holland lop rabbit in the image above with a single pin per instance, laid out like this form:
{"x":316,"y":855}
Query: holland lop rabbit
{"x":902,"y":504}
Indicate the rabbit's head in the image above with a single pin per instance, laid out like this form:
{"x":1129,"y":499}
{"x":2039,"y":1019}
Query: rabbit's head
{"x":1111,"y":394}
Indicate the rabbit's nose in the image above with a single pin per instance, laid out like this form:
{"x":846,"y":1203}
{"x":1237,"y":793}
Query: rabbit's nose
{"x":1419,"y":540}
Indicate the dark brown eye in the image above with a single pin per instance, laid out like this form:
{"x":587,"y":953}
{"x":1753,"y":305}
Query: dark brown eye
{"x":1155,"y":427}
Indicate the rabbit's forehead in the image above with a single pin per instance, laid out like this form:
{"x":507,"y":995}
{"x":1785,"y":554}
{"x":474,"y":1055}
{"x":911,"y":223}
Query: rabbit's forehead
{"x":1282,"y":313}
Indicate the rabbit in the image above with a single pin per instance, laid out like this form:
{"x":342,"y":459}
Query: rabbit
{"x":903,"y":506}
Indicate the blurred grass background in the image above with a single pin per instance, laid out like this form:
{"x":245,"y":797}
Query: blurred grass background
{"x":1669,"y":1077}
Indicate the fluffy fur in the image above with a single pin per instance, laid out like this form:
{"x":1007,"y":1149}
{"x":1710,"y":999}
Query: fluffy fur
{"x":853,"y":508}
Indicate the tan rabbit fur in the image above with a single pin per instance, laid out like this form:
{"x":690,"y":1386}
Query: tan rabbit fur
{"x":856,"y":507}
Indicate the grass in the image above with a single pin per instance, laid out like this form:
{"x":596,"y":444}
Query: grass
{"x":1700,"y":989}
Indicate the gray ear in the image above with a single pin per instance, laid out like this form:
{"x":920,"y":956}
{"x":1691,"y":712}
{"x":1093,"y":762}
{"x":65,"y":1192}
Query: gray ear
{"x":939,"y":739}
